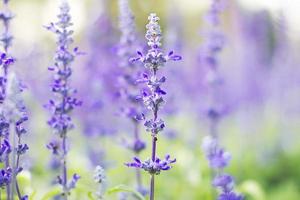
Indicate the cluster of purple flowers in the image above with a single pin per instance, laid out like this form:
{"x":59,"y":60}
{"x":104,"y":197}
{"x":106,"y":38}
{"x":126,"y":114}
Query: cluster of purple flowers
{"x":218,"y":158}
{"x":153,"y":167}
{"x":64,"y":102}
{"x":142,"y":105}
{"x":13,"y":114}
{"x":152,"y":96}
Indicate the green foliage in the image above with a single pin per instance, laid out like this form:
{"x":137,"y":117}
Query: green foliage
{"x":124,"y":188}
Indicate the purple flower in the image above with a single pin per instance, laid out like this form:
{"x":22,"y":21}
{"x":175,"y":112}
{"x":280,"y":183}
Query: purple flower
{"x":230,"y":196}
{"x":5,"y":177}
{"x":154,"y":126}
{"x":6,"y":37}
{"x":25,"y":197}
{"x":22,"y":148}
{"x":5,"y":62}
{"x":224,"y":181}
{"x":4,"y":126}
{"x":5,"y":149}
{"x":138,"y":146}
{"x":153,"y":167}
{"x":72,"y":183}
{"x":218,"y":158}
{"x":54,"y":146}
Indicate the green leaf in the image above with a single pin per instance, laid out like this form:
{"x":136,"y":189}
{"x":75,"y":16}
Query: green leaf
{"x":124,"y":188}
{"x":90,"y":196}
{"x":52,"y":193}
{"x":253,"y":189}
{"x":32,"y":195}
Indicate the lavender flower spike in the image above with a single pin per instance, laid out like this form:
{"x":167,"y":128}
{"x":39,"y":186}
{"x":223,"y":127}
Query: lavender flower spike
{"x":12,"y":114}
{"x":64,"y":101}
{"x":218,"y":158}
{"x":152,"y":97}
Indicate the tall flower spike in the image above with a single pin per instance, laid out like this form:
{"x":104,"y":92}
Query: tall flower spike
{"x":128,"y":89}
{"x":64,"y":101}
{"x":12,"y":113}
{"x":218,"y":158}
{"x":153,"y":97}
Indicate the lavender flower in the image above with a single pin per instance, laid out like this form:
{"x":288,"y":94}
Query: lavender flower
{"x":153,"y":167}
{"x":6,"y":16}
{"x":152,"y":97}
{"x":64,"y":102}
{"x":218,"y":158}
{"x":5,"y":62}
{"x":5,"y":177}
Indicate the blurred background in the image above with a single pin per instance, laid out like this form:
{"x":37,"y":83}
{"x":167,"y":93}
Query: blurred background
{"x":261,"y":71}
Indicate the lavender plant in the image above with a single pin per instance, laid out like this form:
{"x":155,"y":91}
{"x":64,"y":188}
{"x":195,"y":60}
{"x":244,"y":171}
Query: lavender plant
{"x":128,"y":88}
{"x":12,"y":115}
{"x":152,"y":98}
{"x":64,"y":101}
{"x":218,"y":158}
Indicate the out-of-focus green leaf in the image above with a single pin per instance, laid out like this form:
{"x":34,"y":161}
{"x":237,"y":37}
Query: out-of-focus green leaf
{"x":32,"y":195}
{"x":52,"y":193}
{"x":90,"y":196}
{"x":124,"y":188}
{"x":253,"y":189}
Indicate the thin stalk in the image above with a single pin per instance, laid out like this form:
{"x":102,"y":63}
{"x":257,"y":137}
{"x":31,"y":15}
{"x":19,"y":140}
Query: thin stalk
{"x":17,"y":167}
{"x":152,"y":187}
{"x":213,"y":127}
{"x":14,"y":170}
{"x":153,"y":155}
{"x":152,"y":184}
{"x":64,"y":168}
{"x":7,"y":165}
{"x":17,"y":185}
{"x":8,"y":190}
{"x":138,"y":179}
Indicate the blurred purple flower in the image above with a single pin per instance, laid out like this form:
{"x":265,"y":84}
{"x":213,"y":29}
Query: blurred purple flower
{"x":218,"y":158}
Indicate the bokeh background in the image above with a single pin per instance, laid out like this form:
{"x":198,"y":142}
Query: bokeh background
{"x":261,"y":70}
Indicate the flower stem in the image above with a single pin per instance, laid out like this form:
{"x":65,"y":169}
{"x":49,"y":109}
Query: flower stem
{"x":64,"y":168}
{"x":17,"y":167}
{"x":154,"y":139}
{"x":14,"y":169}
{"x":152,"y":187}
